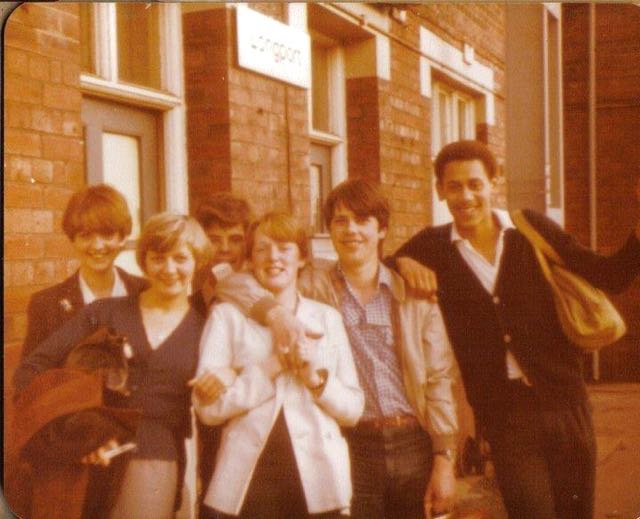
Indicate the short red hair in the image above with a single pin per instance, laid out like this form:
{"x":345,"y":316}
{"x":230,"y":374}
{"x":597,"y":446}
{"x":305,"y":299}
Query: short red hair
{"x":98,"y":208}
{"x":279,"y":226}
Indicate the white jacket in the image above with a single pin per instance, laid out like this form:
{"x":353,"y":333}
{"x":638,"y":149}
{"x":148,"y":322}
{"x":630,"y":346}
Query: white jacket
{"x":251,"y":404}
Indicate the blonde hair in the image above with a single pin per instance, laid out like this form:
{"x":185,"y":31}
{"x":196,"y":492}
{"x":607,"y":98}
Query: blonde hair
{"x":279,"y":226}
{"x":163,"y":231}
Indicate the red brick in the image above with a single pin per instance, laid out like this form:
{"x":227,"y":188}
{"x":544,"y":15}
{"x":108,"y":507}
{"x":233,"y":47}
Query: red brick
{"x":42,"y":170}
{"x":56,"y":197}
{"x":39,"y":67}
{"x":56,"y":71}
{"x":20,"y":246}
{"x":74,"y":173}
{"x":17,"y":168}
{"x":28,"y":221}
{"x":22,"y":195}
{"x":71,"y":74}
{"x":16,"y":62}
{"x":61,"y":96}
{"x":15,"y":330}
{"x":71,"y":124}
{"x":22,"y":142}
{"x":17,"y":273}
{"x":61,"y":148}
{"x":22,"y":89}
{"x":16,"y":299}
{"x":17,"y":115}
{"x":57,"y":246}
{"x":46,"y":120}
{"x":45,"y":272}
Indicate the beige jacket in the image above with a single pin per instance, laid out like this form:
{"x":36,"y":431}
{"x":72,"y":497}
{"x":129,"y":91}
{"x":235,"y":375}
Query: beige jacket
{"x":427,"y":360}
{"x":251,"y":404}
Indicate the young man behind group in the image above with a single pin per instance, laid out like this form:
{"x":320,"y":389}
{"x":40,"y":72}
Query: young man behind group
{"x":225,"y":219}
{"x":522,"y":376}
{"x":402,"y":449}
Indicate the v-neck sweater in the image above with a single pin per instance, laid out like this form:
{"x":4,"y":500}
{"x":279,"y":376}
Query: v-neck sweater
{"x":157,"y":377}
{"x":520,"y":314}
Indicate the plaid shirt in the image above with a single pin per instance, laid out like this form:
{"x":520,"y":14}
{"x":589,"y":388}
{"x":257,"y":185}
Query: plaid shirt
{"x":371,"y":336}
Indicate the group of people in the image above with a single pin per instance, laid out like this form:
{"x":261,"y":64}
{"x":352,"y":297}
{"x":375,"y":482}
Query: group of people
{"x":329,"y":389}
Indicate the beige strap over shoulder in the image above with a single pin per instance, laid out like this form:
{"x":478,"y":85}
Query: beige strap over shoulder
{"x":588,"y":318}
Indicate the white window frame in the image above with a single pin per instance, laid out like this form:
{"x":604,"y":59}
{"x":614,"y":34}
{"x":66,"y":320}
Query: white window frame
{"x":453,"y":99}
{"x":169,"y":100}
{"x":553,"y":125}
{"x":336,"y":137}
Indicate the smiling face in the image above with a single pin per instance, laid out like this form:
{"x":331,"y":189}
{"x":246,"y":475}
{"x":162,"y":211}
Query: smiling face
{"x":467,"y":190}
{"x":97,"y":250}
{"x":355,"y":238}
{"x":228,"y":244}
{"x":170,"y":273}
{"x":275,"y":263}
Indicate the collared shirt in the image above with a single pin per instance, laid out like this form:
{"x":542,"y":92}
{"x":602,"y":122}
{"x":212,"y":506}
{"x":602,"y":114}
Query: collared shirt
{"x":118,"y":290}
{"x":487,"y":272}
{"x":371,"y":335}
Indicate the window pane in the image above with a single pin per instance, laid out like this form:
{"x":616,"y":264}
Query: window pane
{"x":86,"y":38}
{"x":139,"y":44}
{"x":463,"y":129}
{"x":445,"y":127}
{"x":315,"y":196}
{"x":121,"y":169}
{"x":320,"y":88}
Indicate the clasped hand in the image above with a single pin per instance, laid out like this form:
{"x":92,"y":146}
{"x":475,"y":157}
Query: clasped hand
{"x":302,"y":359}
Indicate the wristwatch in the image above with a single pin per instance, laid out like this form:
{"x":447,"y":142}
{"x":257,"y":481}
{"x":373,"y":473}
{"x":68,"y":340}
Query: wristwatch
{"x":449,"y":454}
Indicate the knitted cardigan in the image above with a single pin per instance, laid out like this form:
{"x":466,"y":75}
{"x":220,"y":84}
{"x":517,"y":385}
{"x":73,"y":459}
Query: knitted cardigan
{"x":519,"y":315}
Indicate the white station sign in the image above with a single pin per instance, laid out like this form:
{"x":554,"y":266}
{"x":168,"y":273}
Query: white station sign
{"x":273,"y":48}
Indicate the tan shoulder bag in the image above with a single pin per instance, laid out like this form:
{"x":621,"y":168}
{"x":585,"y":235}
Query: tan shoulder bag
{"x":586,"y":315}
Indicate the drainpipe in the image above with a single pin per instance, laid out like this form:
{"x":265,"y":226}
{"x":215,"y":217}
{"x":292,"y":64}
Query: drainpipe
{"x":593,"y":202}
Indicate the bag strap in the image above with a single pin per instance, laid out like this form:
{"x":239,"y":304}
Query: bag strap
{"x":539,"y":244}
{"x":534,"y":237}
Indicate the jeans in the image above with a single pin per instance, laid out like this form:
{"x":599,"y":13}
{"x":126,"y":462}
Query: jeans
{"x":390,"y":469}
{"x":544,"y":458}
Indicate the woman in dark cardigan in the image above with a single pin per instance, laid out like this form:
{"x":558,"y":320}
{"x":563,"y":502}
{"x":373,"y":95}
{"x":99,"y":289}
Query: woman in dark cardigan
{"x":163,"y":330}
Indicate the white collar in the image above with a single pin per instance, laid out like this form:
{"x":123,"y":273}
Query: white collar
{"x":502,"y":217}
{"x":118,"y":289}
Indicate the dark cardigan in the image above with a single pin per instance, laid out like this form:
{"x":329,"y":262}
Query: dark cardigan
{"x":157,"y":378}
{"x":51,"y":307}
{"x":520,"y":315}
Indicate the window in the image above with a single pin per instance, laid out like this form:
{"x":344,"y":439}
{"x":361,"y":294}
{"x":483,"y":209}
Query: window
{"x":327,"y":115}
{"x":133,"y":107}
{"x":453,"y":119}
{"x":554,"y":179}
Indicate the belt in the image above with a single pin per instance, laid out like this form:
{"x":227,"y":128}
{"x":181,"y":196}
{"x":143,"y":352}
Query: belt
{"x":398,"y":421}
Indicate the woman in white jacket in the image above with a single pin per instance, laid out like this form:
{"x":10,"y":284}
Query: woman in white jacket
{"x":282,"y":453}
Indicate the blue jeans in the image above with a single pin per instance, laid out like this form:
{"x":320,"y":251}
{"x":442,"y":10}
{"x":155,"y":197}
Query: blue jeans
{"x":390,"y":469}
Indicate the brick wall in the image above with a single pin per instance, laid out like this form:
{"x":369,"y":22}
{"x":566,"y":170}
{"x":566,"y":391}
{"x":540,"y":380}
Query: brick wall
{"x":43,"y":152}
{"x":246,"y":132}
{"x":43,"y":165}
{"x":483,"y":26}
{"x":617,"y":150}
{"x":207,"y":56}
{"x":405,"y":115}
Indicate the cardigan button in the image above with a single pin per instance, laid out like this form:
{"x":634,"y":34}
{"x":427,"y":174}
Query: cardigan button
{"x":507,"y":338}
{"x":496,"y":300}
